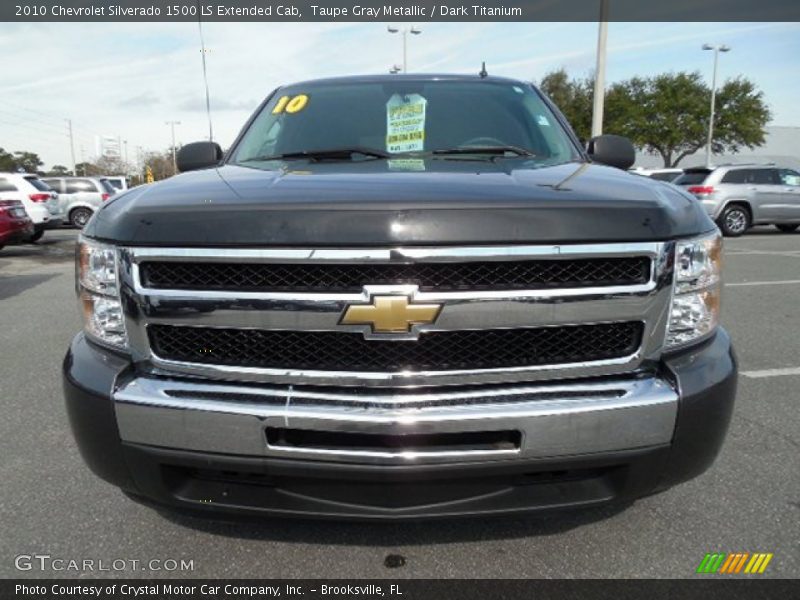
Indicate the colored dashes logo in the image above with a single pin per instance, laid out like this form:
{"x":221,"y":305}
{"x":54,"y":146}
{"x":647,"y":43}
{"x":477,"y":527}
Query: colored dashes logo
{"x":734,"y":563}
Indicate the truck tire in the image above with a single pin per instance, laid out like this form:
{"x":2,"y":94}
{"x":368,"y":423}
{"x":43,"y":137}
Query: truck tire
{"x":734,"y":220}
{"x":79,"y":216}
{"x":787,"y":228}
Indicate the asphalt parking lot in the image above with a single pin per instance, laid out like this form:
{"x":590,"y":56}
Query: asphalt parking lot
{"x":749,"y":501}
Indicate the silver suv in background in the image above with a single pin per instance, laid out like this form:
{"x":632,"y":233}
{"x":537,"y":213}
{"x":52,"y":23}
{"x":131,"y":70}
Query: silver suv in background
{"x":81,"y":196}
{"x":739,"y":196}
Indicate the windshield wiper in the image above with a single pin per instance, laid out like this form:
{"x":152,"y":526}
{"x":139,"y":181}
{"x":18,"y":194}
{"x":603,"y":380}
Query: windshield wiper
{"x":494,"y":150}
{"x":331,"y":154}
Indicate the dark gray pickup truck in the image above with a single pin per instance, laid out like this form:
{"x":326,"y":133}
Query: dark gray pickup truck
{"x":400,"y":297}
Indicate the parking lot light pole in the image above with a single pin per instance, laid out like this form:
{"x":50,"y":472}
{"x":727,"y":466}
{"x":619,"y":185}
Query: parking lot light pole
{"x":71,"y":146}
{"x":600,"y":72}
{"x":717,"y":48}
{"x":174,"y":154}
{"x":405,"y":32}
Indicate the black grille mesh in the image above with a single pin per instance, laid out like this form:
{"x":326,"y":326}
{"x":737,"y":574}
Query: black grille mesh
{"x":434,"y":351}
{"x":306,"y":277}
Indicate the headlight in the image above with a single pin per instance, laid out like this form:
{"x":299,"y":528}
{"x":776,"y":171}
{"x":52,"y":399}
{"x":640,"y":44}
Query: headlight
{"x":99,"y":293}
{"x":97,"y":267}
{"x":696,"y":299}
{"x":103,"y":319}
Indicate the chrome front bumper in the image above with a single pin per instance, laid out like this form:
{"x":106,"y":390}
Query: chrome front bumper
{"x":553,"y":420}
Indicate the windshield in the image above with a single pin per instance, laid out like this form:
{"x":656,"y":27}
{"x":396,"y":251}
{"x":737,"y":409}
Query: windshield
{"x":406,"y":117}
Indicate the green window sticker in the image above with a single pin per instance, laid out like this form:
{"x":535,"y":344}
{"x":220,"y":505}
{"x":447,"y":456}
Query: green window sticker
{"x":405,"y":123}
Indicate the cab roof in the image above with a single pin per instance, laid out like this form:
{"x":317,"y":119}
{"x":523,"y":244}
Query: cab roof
{"x":416,"y":77}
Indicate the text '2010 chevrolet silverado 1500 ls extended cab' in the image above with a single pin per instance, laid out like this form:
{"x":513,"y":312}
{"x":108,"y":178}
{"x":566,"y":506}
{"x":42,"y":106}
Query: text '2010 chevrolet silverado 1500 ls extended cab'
{"x":400,"y":297}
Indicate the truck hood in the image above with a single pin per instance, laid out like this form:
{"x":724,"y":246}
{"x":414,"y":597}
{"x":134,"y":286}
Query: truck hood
{"x":392,"y":202}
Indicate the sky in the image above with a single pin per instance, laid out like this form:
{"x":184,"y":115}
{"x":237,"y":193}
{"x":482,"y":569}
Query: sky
{"x":127,"y":80}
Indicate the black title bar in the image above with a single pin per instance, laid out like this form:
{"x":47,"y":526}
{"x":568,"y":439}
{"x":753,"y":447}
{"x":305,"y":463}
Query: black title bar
{"x":401,"y":10}
{"x":705,"y":588}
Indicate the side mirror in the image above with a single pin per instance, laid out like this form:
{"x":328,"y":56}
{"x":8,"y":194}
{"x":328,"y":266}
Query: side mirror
{"x":612,"y":150}
{"x":198,"y":155}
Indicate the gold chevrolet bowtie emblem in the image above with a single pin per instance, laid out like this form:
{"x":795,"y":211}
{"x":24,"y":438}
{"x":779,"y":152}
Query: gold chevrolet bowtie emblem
{"x":390,"y":314}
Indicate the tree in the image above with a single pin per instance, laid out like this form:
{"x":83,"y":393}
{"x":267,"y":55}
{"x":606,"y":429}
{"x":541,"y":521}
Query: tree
{"x":6,"y":161}
{"x":741,"y":116}
{"x":27,"y":161}
{"x":160,"y":163}
{"x":573,"y":97}
{"x":111,"y":165}
{"x":87,"y":169}
{"x":58,"y":171}
{"x":668,"y":114}
{"x":105,"y":165}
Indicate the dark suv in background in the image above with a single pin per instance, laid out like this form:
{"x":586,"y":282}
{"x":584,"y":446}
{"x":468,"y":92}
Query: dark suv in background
{"x":739,"y":196}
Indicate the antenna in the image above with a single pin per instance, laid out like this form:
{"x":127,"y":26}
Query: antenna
{"x":205,"y":74}
{"x":484,"y":73}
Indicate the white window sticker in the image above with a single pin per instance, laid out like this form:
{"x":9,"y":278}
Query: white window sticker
{"x":406,"y":164}
{"x":405,"y":123}
{"x":542,"y":120}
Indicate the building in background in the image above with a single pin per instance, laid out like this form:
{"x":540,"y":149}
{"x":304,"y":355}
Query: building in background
{"x":782,"y":147}
{"x":108,"y":146}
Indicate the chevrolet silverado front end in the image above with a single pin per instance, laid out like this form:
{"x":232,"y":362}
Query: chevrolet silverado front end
{"x":472,"y":318}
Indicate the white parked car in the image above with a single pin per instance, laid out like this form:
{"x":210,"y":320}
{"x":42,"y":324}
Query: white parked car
{"x":40,"y":201}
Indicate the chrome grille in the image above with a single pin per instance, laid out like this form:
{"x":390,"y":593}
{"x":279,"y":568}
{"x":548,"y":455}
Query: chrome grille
{"x":434,"y":351}
{"x":332,"y":278}
{"x":236,"y":319}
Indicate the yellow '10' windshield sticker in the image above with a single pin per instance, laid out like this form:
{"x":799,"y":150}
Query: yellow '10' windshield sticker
{"x":405,"y":123}
{"x":290,"y":104}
